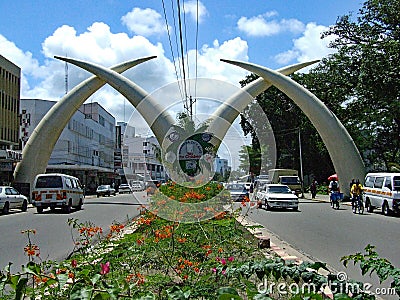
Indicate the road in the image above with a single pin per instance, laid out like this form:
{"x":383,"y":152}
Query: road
{"x":53,"y":235}
{"x":327,"y":234}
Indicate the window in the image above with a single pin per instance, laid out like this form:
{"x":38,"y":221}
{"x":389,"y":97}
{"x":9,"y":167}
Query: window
{"x":388,"y":182}
{"x":49,"y":182}
{"x":369,"y":181}
{"x":144,"y":144}
{"x":14,"y":191}
{"x":379,"y":182}
{"x":68,"y":183}
{"x":101,"y":120}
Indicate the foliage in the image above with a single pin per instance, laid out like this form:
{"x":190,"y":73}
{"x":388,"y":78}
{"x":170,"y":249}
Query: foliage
{"x":372,"y":263}
{"x":366,"y":66}
{"x":360,"y":83}
{"x":152,"y":258}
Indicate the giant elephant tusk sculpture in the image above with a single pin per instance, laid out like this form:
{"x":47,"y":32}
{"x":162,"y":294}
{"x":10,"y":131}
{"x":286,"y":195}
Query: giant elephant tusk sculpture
{"x":344,"y":154}
{"x":40,"y":145}
{"x":346,"y":158}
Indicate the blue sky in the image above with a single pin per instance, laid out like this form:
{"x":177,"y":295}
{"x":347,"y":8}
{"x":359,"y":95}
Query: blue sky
{"x":273,"y":33}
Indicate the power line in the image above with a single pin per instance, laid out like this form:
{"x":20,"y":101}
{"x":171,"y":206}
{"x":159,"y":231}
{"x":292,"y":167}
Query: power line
{"x":182,"y":55}
{"x":170,"y":46}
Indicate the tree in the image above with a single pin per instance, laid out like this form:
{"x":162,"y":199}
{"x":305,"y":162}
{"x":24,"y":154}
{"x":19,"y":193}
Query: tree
{"x":360,"y":83}
{"x":368,"y":56}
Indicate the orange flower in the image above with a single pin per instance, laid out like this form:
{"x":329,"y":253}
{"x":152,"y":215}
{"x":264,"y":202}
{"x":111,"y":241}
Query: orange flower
{"x":32,"y":250}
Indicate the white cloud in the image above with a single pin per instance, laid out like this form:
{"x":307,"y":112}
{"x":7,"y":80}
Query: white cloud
{"x":259,"y":26}
{"x":308,"y":47}
{"x":99,"y":45}
{"x":144,"y":22}
{"x":196,"y":9}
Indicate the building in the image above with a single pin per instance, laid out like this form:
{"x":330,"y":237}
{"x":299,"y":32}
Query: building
{"x":221,"y":166}
{"x":10,"y":82}
{"x":86,"y":146}
{"x":140,"y":157}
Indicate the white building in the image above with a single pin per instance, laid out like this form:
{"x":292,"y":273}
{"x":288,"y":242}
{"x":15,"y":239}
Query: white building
{"x":86,"y":146}
{"x":221,"y":165}
{"x":141,"y":157}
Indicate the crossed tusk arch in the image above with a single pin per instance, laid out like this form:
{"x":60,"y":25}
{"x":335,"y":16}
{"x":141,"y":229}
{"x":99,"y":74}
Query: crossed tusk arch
{"x":346,"y":160}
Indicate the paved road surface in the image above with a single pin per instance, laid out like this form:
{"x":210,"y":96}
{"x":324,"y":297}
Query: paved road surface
{"x":328,"y":234}
{"x":53,"y":233}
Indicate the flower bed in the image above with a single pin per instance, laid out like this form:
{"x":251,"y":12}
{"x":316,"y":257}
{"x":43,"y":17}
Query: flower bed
{"x":153,"y":258}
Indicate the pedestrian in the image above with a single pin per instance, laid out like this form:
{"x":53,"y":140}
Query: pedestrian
{"x":313,"y":188}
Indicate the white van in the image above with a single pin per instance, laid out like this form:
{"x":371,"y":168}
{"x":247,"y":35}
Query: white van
{"x":382,"y":191}
{"x":57,"y":190}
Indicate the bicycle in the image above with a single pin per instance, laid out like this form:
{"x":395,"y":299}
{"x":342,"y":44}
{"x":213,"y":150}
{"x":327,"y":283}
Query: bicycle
{"x":357,"y":205}
{"x":335,"y":197}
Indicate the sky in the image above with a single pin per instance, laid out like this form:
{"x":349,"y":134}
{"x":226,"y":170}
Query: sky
{"x":272,"y":33}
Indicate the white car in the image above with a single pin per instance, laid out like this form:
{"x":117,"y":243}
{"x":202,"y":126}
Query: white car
{"x":137,"y":186}
{"x":277,"y":196}
{"x":237,"y":191}
{"x":124,"y":188}
{"x":11,"y":198}
{"x":105,"y":190}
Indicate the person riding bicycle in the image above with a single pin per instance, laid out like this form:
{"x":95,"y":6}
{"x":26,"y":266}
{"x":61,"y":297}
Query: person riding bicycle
{"x":334,"y":191}
{"x":356,"y":191}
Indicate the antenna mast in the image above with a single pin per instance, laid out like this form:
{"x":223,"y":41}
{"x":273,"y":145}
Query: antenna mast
{"x":66,"y":78}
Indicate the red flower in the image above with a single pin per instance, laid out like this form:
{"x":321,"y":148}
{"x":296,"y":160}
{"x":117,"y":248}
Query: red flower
{"x":105,"y":268}
{"x":74,"y":263}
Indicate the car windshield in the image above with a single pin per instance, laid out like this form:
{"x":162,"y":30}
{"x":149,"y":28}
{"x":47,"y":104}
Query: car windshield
{"x":279,"y":190}
{"x":235,"y":187}
{"x":49,"y":182}
{"x":290,"y":180}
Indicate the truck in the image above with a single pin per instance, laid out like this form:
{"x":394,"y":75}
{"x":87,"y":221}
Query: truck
{"x":289,"y":177}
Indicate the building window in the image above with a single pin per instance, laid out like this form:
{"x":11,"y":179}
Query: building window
{"x":101,"y":120}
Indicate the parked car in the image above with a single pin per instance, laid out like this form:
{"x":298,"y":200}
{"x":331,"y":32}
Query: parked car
{"x":105,"y":190}
{"x":238,"y":191}
{"x":124,"y":189}
{"x":11,"y":198}
{"x":57,"y":190}
{"x":277,"y":196}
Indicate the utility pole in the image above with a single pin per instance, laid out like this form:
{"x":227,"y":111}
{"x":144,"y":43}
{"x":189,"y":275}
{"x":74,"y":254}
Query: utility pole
{"x":301,"y":165}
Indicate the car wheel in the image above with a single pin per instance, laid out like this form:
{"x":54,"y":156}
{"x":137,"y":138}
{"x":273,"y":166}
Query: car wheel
{"x":6,"y":208}
{"x":39,"y":209}
{"x":296,"y":208}
{"x":98,"y":195}
{"x":385,"y":209}
{"x":369,"y":206}
{"x":52,"y":208}
{"x":79,"y":207}
{"x":24,"y":206}
{"x":67,"y":208}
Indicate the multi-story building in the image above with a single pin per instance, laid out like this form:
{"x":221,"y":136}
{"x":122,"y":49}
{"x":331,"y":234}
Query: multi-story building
{"x":86,"y":146}
{"x":10,"y":82}
{"x":140,"y":156}
{"x":221,"y":166}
